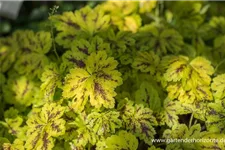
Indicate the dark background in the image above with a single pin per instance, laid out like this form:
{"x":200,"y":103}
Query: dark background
{"x":33,"y":14}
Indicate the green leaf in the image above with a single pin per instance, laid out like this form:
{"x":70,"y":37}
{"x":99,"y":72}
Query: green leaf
{"x":96,"y":81}
{"x":120,"y":42}
{"x":216,"y":25}
{"x":13,"y":122}
{"x":146,"y":62}
{"x":218,"y":86}
{"x":154,"y":148}
{"x":43,"y":125}
{"x":124,"y":140}
{"x":139,"y":121}
{"x":174,"y":146}
{"x":149,"y":96}
{"x":188,"y":17}
{"x":8,"y":51}
{"x":2,"y":141}
{"x":163,"y":40}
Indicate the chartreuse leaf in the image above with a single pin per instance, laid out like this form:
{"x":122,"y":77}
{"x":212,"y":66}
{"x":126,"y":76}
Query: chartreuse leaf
{"x":169,"y":114}
{"x":125,"y":18}
{"x":122,"y":7}
{"x":8,"y":51}
{"x":96,"y":81}
{"x":162,"y":41}
{"x":124,"y":140}
{"x":50,"y":80}
{"x":139,"y":121}
{"x":182,"y":132}
{"x":20,"y":91}
{"x":34,"y":48}
{"x":16,"y":145}
{"x":197,"y":109}
{"x":84,"y":135}
{"x":211,"y":141}
{"x":215,"y":114}
{"x":218,"y":86}
{"x":146,"y":62}
{"x":82,"y":23}
{"x":147,"y":6}
{"x":188,"y":81}
{"x":80,"y":50}
{"x":103,"y":123}
{"x":43,"y":125}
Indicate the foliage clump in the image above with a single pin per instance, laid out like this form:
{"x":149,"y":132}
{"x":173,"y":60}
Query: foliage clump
{"x":115,"y":76}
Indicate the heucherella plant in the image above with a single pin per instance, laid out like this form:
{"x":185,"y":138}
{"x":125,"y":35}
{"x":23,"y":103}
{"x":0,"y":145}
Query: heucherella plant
{"x":118,"y":76}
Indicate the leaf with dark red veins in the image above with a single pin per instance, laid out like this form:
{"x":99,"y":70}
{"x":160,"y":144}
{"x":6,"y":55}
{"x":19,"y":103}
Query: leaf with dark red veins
{"x":139,"y":121}
{"x":215,"y":116}
{"x":96,"y":81}
{"x":80,"y":50}
{"x":81,"y":23}
{"x":36,"y":46}
{"x":50,"y":80}
{"x":103,"y":123}
{"x":146,"y":62}
{"x":182,"y":132}
{"x":218,"y":86}
{"x":43,"y":125}
{"x":169,"y":114}
{"x":17,"y":144}
{"x":20,"y":92}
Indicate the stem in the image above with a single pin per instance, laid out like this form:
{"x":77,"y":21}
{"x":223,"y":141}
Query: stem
{"x":162,"y":7}
{"x":195,"y":121}
{"x":223,"y":61}
{"x":53,"y":11}
{"x":53,"y":42}
{"x":190,"y":121}
{"x":89,"y":146}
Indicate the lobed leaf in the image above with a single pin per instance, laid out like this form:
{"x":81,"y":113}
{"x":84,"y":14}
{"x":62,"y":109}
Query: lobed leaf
{"x":96,"y":81}
{"x":43,"y":125}
{"x":124,"y":140}
{"x":50,"y":80}
{"x":146,"y":62}
{"x":139,"y":121}
{"x":103,"y":123}
{"x":218,"y":86}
